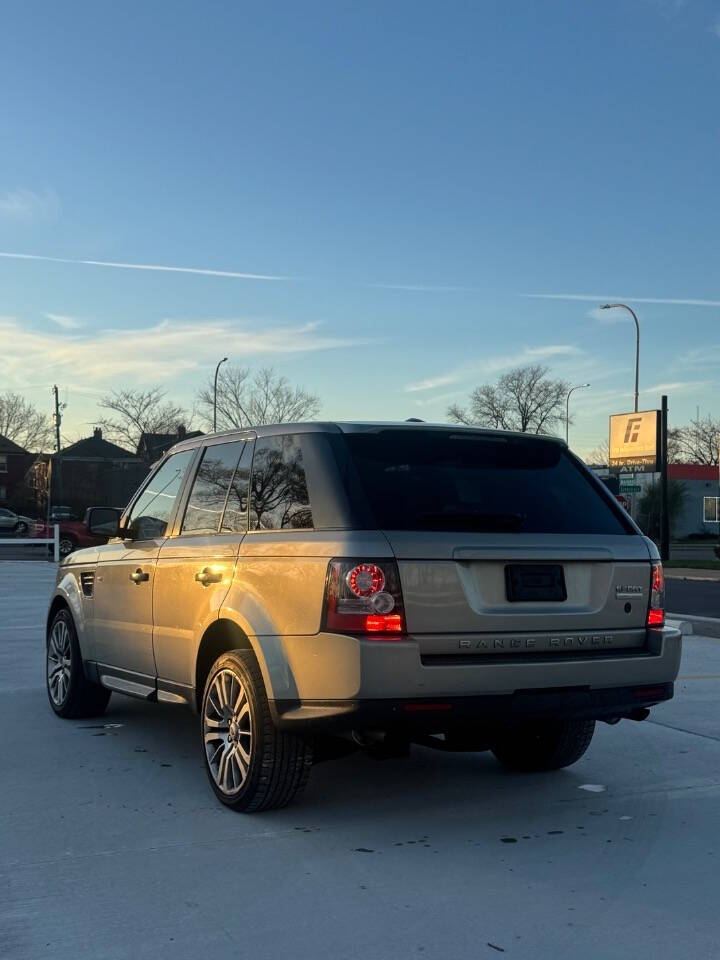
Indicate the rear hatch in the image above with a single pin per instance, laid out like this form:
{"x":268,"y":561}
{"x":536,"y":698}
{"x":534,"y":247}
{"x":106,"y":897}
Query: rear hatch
{"x":506,"y":544}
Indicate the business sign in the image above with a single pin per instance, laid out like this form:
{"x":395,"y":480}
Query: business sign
{"x":635,"y":442}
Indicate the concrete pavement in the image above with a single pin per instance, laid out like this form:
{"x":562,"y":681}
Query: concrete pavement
{"x":114,"y":848}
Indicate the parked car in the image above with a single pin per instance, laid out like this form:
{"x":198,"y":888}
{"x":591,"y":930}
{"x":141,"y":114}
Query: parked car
{"x":14,"y":524}
{"x":316,"y":587}
{"x":73,"y":534}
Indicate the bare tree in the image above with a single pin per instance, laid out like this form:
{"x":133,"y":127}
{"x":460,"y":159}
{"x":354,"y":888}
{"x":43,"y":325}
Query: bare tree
{"x":698,"y":442}
{"x":137,"y":412}
{"x":23,"y":423}
{"x":523,"y":399}
{"x":250,"y":400}
{"x":600,"y":455}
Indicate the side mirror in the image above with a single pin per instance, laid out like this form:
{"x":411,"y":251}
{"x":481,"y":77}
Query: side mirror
{"x":104,"y":521}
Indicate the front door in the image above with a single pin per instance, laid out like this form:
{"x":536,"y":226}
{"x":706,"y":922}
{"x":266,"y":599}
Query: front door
{"x":195,"y":567}
{"x":125,"y":577}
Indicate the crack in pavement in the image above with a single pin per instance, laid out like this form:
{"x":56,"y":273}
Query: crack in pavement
{"x":692,"y":733}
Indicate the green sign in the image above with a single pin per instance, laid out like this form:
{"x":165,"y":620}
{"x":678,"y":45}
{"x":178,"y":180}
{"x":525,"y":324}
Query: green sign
{"x":629,"y":487}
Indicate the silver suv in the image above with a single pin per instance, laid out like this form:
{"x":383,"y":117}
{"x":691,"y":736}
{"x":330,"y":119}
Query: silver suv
{"x":314,"y":588}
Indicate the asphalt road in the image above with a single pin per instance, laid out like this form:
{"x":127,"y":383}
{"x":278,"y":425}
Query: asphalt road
{"x":700,"y":598}
{"x":114,"y":848}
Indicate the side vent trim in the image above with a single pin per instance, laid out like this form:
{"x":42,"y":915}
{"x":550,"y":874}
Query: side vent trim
{"x":87,"y":581}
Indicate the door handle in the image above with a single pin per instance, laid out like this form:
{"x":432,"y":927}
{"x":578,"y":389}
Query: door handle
{"x":139,"y":576}
{"x":206,"y":576}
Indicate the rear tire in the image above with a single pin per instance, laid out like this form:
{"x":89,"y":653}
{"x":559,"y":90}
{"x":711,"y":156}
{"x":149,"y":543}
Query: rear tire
{"x":544,"y":745}
{"x":70,"y":693}
{"x":67,"y":545}
{"x":251,"y":765}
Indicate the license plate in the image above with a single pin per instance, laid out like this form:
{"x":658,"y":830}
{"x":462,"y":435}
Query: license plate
{"x":535,"y":582}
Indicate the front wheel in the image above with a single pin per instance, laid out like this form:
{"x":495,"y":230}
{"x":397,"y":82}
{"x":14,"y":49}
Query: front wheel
{"x":69,"y":692}
{"x":544,"y":745}
{"x":251,"y":765}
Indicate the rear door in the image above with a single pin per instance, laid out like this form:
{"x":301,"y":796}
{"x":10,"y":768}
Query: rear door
{"x":505,"y":544}
{"x":195,"y":565}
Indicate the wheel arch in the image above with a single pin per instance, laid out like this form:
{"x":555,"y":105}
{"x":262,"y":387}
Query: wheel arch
{"x":59,"y":602}
{"x":220,"y":637}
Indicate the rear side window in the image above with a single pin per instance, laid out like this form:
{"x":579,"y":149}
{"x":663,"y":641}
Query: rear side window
{"x":279,"y":495}
{"x":235,"y":518}
{"x":210,"y":487}
{"x":440,"y":480}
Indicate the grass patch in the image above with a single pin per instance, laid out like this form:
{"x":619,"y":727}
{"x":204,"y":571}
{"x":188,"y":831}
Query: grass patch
{"x":694,"y":564}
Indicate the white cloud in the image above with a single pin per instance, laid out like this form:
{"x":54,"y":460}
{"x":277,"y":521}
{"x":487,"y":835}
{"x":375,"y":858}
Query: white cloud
{"x":152,"y":354}
{"x":432,"y":383}
{"x":601,"y":298}
{"x":145,"y":266}
{"x":707,"y":356}
{"x":22,"y":204}
{"x":63,"y":321}
{"x":495,"y":365}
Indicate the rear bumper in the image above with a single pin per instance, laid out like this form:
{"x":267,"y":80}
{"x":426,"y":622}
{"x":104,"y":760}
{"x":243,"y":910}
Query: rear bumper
{"x":327,"y":668}
{"x":339,"y":682}
{"x":483,"y":711}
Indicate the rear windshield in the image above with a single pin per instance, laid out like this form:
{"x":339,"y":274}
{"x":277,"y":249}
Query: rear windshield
{"x":440,"y":480}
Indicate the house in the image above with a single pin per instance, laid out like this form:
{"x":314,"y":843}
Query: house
{"x":152,"y":446}
{"x":91,"y":472}
{"x":14,"y":464}
{"x":701,"y":508}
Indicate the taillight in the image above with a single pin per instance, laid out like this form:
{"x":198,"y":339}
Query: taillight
{"x":656,"y":610}
{"x":364,"y":597}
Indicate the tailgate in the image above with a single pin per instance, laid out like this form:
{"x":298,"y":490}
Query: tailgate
{"x":523,"y":594}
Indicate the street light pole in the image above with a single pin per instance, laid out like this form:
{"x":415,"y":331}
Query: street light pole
{"x":217,"y":368}
{"x":578,"y":386}
{"x":624,"y":306}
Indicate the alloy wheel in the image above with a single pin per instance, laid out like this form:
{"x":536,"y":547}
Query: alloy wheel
{"x":59,"y":662}
{"x":227,"y":731}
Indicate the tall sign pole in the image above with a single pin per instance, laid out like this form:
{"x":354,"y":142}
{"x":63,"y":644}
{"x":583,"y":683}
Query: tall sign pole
{"x":664,"y":514}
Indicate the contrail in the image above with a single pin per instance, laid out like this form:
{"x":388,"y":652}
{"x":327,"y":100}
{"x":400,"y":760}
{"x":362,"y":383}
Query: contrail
{"x":604,"y":298}
{"x":146,"y":266}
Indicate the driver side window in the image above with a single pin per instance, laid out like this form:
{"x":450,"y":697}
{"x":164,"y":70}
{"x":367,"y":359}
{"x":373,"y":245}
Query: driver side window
{"x":149,"y":516}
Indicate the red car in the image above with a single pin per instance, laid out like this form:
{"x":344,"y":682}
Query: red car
{"x":74,"y":535}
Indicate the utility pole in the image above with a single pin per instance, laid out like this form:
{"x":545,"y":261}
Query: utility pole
{"x":57,"y":420}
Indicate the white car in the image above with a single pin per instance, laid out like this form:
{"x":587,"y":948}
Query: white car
{"x":14,"y":523}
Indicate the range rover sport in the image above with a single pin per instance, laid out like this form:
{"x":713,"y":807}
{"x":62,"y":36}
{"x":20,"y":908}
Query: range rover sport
{"x":310,"y":586}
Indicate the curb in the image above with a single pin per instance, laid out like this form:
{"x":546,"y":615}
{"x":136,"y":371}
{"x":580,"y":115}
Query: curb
{"x":700,"y":626}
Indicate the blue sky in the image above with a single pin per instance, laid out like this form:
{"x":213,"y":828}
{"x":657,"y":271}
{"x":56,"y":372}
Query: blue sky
{"x":397,"y":178}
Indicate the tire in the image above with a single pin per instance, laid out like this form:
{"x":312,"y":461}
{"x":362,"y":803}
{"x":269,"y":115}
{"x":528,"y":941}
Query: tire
{"x":70,"y":693}
{"x":544,"y":745}
{"x":67,"y":544}
{"x":251,"y":765}
{"x":22,"y":529}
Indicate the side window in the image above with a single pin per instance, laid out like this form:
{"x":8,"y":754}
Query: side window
{"x":235,"y":518}
{"x":210,"y":488}
{"x":279,"y":498}
{"x":150,"y":514}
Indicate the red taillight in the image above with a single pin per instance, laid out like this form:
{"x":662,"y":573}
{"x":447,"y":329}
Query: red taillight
{"x":656,"y":608}
{"x":364,"y":597}
{"x":391,"y":623}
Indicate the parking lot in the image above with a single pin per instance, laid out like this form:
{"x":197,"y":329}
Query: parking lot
{"x":113,"y":845}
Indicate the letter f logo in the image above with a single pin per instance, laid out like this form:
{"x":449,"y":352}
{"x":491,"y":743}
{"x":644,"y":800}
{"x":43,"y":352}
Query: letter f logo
{"x":632,"y":430}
